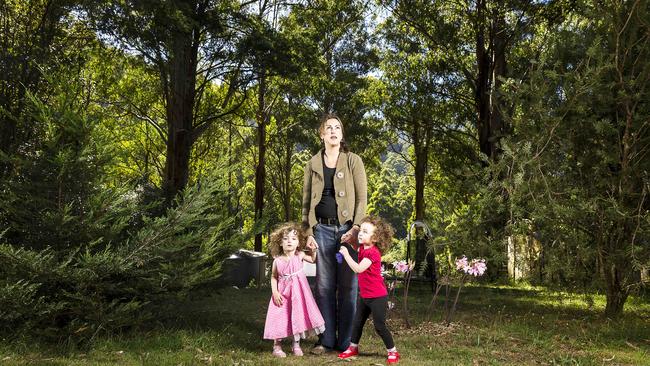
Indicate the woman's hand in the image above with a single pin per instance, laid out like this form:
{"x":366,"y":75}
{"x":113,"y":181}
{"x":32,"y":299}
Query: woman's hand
{"x":277,"y":298}
{"x":352,"y":236}
{"x":312,"y":249}
{"x":311,"y":243}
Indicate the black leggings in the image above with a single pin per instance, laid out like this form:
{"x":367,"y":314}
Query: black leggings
{"x":377,"y":307}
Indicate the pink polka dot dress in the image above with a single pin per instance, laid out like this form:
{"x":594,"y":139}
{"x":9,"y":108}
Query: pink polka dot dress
{"x":298,"y":317}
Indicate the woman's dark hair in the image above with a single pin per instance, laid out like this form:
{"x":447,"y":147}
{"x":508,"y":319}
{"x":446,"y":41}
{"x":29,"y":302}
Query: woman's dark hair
{"x":326,"y":117}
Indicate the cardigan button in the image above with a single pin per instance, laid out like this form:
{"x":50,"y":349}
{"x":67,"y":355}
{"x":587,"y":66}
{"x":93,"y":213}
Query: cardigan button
{"x":339,"y":175}
{"x":341,"y":193}
{"x":344,"y":213}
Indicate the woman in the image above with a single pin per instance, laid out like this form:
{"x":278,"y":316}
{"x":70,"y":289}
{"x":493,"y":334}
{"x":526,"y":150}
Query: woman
{"x":334,"y":198}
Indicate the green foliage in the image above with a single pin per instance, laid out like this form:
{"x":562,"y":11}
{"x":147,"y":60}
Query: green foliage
{"x":35,"y":35}
{"x":467,"y":226}
{"x":390,"y":193}
{"x":79,"y":258}
{"x":57,"y":177}
{"x":335,"y":77}
{"x":130,"y":113}
{"x":74,"y":294}
{"x":576,"y":166}
{"x":188,"y":243}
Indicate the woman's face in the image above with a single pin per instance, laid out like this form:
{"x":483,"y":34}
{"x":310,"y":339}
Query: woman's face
{"x":332,"y":132}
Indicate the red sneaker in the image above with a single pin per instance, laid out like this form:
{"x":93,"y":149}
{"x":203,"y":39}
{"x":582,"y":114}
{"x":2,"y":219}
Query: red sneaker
{"x":350,"y":352}
{"x":393,"y":357}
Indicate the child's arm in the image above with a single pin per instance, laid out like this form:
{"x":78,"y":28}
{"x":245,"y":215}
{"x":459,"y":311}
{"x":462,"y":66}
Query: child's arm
{"x":356,"y":267}
{"x":277,"y":296}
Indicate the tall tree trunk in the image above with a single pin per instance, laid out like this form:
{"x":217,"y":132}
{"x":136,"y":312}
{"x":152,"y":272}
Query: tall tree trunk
{"x":616,"y":294}
{"x":7,"y":133}
{"x":482,"y":89}
{"x":180,"y":103}
{"x":260,"y":171}
{"x":499,"y":71}
{"x":420,"y":174}
{"x":420,"y":137}
{"x":231,"y":190}
{"x":491,"y":66}
{"x":288,"y":154}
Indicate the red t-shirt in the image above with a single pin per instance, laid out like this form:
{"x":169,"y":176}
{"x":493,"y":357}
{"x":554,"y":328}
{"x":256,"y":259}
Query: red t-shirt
{"x":371,"y":283}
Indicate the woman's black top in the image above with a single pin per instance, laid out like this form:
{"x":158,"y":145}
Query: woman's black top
{"x":326,"y":208}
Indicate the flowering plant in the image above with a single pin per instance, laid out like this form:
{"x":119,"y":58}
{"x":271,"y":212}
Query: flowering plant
{"x":475,"y":267}
{"x":406,"y":268}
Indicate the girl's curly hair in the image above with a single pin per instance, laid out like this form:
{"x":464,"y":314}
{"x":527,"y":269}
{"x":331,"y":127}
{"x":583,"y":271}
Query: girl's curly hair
{"x":383,"y":235}
{"x":275,"y":240}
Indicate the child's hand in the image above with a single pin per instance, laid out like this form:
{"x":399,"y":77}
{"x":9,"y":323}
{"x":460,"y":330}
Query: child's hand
{"x":344,"y":251}
{"x":277,"y":298}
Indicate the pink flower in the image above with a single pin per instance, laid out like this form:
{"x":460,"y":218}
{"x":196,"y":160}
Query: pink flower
{"x":461,"y":264}
{"x":476,"y":267}
{"x":403,"y":266}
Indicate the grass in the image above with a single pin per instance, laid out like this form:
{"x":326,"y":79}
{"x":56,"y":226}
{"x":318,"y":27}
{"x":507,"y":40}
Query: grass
{"x":492,"y":326}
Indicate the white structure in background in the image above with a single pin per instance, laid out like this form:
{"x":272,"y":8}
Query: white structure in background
{"x":309,"y":268}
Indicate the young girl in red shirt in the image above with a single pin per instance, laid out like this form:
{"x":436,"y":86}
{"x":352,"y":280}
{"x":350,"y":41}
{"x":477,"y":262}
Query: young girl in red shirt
{"x":375,"y":237}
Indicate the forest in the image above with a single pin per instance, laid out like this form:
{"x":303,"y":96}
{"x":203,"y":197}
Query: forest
{"x":142,"y":142}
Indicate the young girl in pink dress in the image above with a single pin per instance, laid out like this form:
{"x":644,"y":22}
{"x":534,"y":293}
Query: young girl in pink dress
{"x":292,"y":309}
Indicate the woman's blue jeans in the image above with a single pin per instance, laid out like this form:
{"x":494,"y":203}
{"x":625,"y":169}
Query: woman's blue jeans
{"x":336,"y":287}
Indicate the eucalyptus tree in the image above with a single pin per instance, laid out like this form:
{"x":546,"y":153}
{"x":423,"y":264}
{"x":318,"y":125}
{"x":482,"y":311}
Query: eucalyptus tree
{"x":480,"y":43}
{"x":189,"y":45}
{"x":481,"y":40}
{"x":391,"y":192}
